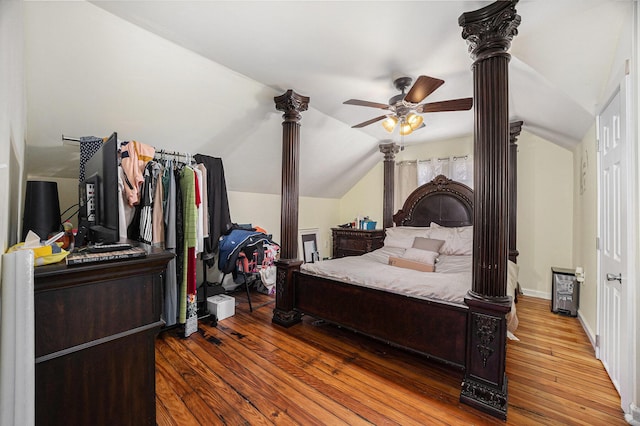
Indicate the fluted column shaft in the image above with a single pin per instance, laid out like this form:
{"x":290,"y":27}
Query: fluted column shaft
{"x":389,"y":150}
{"x":488,"y":33}
{"x":292,"y":104}
{"x":514,"y":131}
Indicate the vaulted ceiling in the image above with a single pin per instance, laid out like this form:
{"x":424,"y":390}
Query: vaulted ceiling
{"x":200,"y":77}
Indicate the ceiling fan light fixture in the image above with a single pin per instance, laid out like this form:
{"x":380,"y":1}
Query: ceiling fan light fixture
{"x":390,"y":123}
{"x":414,"y":120}
{"x":405,"y":128}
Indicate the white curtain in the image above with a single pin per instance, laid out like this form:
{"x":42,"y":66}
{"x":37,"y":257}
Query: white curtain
{"x":406,"y":180}
{"x":462,"y":170}
{"x":411,"y":174}
{"x":17,"y":336}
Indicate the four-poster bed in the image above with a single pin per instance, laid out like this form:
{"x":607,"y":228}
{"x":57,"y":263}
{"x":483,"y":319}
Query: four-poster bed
{"x":470,"y":335}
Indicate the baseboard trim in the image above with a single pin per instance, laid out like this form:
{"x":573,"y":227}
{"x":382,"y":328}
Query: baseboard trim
{"x":633,"y":418}
{"x":590,"y":334}
{"x":536,"y":293}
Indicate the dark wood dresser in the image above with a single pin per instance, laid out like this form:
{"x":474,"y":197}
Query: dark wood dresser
{"x":354,"y":242}
{"x":95,"y":329}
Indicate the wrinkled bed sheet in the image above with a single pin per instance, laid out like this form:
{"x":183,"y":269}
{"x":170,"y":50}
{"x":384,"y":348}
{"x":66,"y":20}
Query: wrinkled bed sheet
{"x":450,"y":282}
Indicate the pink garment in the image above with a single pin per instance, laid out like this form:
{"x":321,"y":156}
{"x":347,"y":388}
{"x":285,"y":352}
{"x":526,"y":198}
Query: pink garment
{"x":135,"y":156}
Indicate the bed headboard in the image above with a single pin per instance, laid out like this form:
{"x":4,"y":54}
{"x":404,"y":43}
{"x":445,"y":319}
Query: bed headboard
{"x":443,"y":201}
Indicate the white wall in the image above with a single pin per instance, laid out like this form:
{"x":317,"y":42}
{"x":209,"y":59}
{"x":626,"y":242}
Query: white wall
{"x":12,"y":119}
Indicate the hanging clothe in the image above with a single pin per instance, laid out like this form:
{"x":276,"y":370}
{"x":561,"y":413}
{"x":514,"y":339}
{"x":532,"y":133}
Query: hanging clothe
{"x":157,"y":208}
{"x":188,"y":306}
{"x":205,"y":202}
{"x":218,"y":205}
{"x":170,"y":311}
{"x":134,"y":158}
{"x":200,"y":222}
{"x":89,"y":145}
{"x":126,"y":212}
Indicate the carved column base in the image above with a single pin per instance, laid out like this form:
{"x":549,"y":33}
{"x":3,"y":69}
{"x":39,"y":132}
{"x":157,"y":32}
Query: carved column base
{"x":284,"y":314}
{"x":485,"y":383}
{"x":485,"y":398}
{"x":286,"y":318}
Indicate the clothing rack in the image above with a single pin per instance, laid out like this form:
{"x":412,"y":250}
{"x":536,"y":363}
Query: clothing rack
{"x":162,"y":152}
{"x":207,"y":288}
{"x":66,"y":139}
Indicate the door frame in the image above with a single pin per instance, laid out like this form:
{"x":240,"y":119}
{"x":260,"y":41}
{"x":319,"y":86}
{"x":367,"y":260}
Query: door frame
{"x":627,"y":357}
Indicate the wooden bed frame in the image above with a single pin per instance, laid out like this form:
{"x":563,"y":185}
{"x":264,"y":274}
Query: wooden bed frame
{"x":472,"y":336}
{"x":432,"y":328}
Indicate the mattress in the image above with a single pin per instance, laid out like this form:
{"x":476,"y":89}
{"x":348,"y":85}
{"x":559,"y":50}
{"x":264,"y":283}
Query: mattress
{"x":450,"y":282}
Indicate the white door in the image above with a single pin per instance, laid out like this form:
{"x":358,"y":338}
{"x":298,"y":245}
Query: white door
{"x":613,"y":235}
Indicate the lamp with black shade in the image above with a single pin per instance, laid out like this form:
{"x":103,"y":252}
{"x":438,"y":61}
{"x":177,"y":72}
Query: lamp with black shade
{"x":41,"y":209}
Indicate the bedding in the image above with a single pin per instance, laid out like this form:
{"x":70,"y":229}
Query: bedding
{"x":450,"y":282}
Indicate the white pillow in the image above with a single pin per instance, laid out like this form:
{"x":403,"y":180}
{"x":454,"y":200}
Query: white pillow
{"x":403,"y":236}
{"x":457,"y":240}
{"x":422,"y":256}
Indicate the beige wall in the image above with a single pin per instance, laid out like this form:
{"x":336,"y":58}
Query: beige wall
{"x":585,"y":226}
{"x":365,"y":197}
{"x":264,"y":210}
{"x":545,"y":203}
{"x":545,"y":212}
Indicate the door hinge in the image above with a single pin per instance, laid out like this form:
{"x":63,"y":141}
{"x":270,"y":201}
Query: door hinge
{"x":597,"y":243}
{"x":597,"y":340}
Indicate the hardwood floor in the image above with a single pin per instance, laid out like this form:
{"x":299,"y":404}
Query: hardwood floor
{"x":248,"y":371}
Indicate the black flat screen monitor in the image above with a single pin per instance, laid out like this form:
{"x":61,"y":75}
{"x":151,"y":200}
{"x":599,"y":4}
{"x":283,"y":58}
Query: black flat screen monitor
{"x":101,"y":193}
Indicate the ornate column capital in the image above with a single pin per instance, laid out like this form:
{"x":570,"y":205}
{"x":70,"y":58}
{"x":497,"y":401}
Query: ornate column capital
{"x":489,"y":31}
{"x":515,"y":127}
{"x":292,"y":104}
{"x":389,"y":149}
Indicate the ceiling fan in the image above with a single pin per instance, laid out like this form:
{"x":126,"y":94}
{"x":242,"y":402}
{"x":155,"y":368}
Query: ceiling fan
{"x":406,"y":108}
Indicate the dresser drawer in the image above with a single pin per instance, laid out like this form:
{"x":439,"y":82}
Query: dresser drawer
{"x":355,"y":242}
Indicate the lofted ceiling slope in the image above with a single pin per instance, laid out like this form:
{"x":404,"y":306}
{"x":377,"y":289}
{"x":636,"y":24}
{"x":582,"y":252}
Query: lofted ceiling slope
{"x":200,"y":77}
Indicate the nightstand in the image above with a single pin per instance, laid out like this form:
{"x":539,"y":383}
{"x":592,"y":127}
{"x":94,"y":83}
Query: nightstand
{"x":354,"y":242}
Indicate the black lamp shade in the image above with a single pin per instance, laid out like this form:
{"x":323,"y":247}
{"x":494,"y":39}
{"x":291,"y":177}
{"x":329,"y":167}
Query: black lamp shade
{"x":41,"y":209}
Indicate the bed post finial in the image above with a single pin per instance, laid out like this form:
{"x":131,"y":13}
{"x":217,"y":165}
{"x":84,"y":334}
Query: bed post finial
{"x":488,"y":32}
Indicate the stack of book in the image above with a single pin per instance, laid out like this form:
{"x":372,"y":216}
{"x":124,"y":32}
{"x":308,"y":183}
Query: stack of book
{"x":81,"y":257}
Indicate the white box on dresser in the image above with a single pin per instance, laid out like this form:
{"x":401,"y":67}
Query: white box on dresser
{"x":222,"y":306}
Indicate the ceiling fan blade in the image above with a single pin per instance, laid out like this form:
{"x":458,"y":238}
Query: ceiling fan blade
{"x":462,"y":104}
{"x":366,"y":123}
{"x":423,"y":87}
{"x":366,"y":103}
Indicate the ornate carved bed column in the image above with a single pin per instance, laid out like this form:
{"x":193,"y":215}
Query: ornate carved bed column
{"x":488,"y":32}
{"x":389,"y":150}
{"x":292,"y":104}
{"x":514,"y":131}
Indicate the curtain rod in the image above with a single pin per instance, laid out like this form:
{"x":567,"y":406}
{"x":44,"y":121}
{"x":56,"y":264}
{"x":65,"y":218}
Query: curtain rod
{"x":455,"y":157}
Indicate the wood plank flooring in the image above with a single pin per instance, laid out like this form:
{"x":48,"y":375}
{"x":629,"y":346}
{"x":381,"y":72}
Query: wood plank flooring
{"x":247,"y":371}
